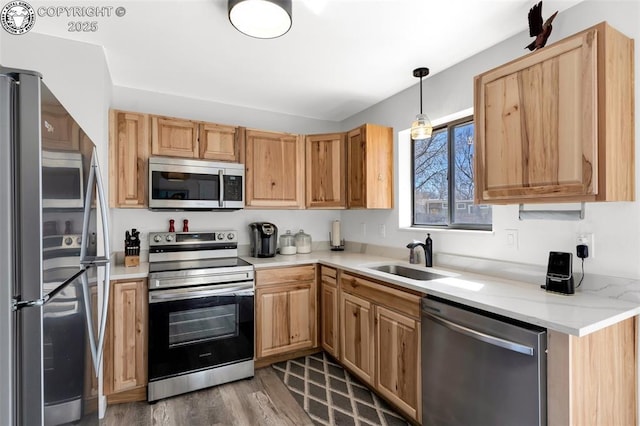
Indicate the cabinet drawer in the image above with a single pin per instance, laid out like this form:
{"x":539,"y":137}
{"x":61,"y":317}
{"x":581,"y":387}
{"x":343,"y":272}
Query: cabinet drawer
{"x":328,"y":275}
{"x":380,"y":293}
{"x":285,"y":275}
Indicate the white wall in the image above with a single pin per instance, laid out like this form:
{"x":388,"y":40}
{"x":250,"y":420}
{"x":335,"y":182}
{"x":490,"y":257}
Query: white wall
{"x":317,"y":223}
{"x":131,"y":99}
{"x":616,"y":226}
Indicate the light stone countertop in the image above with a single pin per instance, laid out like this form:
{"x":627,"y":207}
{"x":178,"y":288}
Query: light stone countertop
{"x":578,"y":314}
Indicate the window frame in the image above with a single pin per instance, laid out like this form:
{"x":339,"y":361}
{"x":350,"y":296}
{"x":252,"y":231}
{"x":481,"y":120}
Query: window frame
{"x":451,"y":201}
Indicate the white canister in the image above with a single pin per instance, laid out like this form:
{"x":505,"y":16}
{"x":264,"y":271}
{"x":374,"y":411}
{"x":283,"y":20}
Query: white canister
{"x":287,"y":243}
{"x":303,"y":242}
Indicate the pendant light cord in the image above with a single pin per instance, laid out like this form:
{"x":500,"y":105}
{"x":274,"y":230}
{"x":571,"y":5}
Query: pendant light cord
{"x":420,"y":95}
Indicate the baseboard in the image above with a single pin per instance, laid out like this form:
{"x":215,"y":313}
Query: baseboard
{"x":131,"y":395}
{"x":264,"y":362}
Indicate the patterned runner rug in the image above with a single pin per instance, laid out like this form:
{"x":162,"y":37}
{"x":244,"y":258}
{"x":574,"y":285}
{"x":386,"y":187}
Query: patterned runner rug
{"x":332,"y":396}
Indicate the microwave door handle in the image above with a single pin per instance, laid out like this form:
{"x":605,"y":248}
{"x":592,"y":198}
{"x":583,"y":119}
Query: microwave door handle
{"x":221,"y":181}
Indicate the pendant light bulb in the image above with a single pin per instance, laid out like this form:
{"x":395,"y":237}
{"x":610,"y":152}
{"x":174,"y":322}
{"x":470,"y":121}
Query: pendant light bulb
{"x":421,"y":128}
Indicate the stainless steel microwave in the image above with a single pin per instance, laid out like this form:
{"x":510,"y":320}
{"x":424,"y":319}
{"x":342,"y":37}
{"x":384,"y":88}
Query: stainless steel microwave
{"x":181,"y":184}
{"x":62,"y":180}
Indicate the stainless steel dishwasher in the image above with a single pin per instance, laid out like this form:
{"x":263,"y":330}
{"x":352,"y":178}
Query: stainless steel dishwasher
{"x":479,"y":368}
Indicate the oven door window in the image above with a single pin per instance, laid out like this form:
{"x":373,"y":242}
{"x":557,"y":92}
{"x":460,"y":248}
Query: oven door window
{"x":196,"y":334}
{"x":185,"y":186}
{"x":61,"y":183}
{"x":193,"y":326}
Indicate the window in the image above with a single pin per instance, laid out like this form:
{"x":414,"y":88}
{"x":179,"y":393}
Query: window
{"x":443,"y":177}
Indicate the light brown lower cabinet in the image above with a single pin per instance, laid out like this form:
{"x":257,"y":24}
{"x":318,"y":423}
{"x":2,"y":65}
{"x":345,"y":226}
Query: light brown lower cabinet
{"x":591,"y":380}
{"x":357,"y":340}
{"x":380,"y":340}
{"x":329,"y":334}
{"x":125,"y":349}
{"x":398,"y":359}
{"x":285,"y":310}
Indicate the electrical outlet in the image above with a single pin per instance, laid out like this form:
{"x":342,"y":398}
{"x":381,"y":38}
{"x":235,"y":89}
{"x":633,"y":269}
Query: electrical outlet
{"x":382,"y":230}
{"x":512,"y":238}
{"x":587,"y":239}
{"x":363,"y":229}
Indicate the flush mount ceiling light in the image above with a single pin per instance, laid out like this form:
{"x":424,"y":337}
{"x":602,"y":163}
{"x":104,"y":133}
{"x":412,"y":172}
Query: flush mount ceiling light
{"x":261,"y":18}
{"x":421,"y":128}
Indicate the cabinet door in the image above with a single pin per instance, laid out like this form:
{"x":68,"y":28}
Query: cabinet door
{"x":129,"y":155}
{"x":218,"y":142}
{"x":125,"y":352}
{"x":537,"y":125}
{"x":356,"y":168}
{"x":398,"y":370}
{"x":275,"y":169}
{"x":325,"y":166}
{"x":370,"y":167}
{"x":286,"y":318}
{"x":357,"y":339}
{"x":174,"y":137}
{"x":329,"y":311}
{"x":59,"y":131}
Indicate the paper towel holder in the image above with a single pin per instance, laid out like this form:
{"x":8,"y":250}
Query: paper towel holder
{"x":333,"y":247}
{"x":335,"y":233}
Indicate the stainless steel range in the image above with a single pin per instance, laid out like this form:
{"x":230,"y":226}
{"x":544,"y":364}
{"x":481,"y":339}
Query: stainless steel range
{"x":201,"y":319}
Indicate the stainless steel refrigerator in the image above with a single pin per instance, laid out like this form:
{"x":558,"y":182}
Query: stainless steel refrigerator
{"x":54,"y":262}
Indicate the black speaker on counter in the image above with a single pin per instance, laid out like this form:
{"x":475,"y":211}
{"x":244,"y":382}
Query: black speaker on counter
{"x":560,"y":273}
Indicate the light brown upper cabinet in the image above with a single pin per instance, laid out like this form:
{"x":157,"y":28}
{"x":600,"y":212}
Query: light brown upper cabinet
{"x":128,"y":158}
{"x":325,"y":166}
{"x":59,"y":131}
{"x":274,"y":170}
{"x":220,"y":143}
{"x":558,"y":124}
{"x":174,"y":137}
{"x":370,"y":167}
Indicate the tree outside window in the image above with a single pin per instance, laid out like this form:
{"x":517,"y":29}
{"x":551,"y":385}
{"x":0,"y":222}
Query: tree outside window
{"x":443,"y":179}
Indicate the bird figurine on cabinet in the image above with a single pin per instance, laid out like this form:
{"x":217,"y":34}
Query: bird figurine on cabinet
{"x":537,"y":29}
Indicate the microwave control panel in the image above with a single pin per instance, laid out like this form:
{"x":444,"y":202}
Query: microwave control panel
{"x":233,"y":188}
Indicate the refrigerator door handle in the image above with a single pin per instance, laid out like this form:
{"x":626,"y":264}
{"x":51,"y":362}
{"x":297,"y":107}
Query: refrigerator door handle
{"x":19,"y":304}
{"x":105,"y":260}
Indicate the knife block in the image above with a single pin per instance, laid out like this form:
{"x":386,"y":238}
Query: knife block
{"x":133,"y":260}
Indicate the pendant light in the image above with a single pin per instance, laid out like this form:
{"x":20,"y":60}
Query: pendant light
{"x":421,"y":128}
{"x":261,"y":18}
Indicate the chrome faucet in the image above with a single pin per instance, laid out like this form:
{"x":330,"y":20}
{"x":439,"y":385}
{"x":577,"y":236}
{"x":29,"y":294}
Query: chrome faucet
{"x":428,"y":251}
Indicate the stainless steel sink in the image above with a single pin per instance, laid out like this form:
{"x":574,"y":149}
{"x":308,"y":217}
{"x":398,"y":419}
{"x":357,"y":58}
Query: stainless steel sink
{"x":403,"y":271}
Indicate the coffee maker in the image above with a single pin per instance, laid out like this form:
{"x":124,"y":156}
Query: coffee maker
{"x":263,"y":238}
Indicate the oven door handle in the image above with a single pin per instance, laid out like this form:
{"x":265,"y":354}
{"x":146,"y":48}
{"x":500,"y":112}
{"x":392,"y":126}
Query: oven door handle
{"x":198,"y":280}
{"x":157,"y":296}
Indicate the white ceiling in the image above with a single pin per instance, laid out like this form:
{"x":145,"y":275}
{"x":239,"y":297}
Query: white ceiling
{"x":340,"y":56}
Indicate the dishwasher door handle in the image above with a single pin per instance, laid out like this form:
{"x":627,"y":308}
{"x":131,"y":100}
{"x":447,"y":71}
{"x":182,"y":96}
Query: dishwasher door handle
{"x":487,"y":338}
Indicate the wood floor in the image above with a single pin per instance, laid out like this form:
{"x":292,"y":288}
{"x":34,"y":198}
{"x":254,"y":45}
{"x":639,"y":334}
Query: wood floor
{"x":263,"y":400}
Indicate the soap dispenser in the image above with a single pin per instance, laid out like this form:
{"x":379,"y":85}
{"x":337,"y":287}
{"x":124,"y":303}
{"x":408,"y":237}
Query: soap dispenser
{"x":428,"y":251}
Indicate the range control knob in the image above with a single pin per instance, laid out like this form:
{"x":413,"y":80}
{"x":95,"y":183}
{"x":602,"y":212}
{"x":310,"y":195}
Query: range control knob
{"x":157,"y":238}
{"x":68,"y":241}
{"x":230,"y":236}
{"x":220,"y":236}
{"x":79,"y":240}
{"x":169,"y":238}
